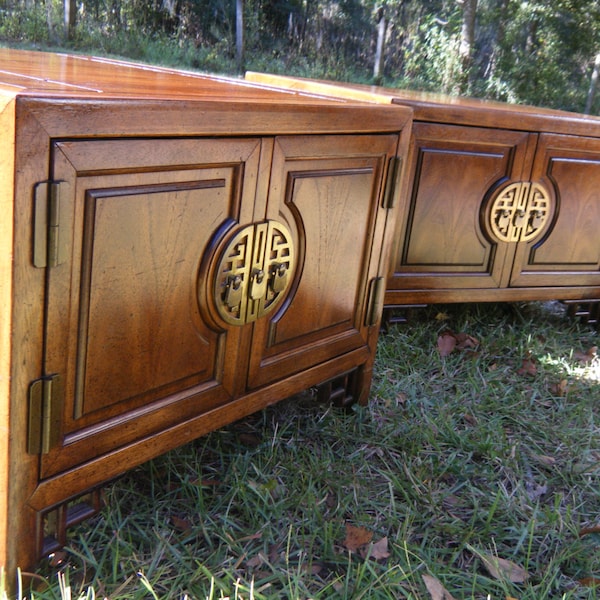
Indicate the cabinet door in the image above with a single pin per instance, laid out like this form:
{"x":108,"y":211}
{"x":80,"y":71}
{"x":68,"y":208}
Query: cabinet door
{"x":443,"y":240}
{"x":567,"y":251}
{"x":328,"y":191}
{"x":126,"y":331}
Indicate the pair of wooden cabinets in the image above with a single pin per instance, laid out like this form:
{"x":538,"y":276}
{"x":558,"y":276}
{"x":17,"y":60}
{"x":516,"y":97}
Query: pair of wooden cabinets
{"x":501,"y":202}
{"x":176,"y":252}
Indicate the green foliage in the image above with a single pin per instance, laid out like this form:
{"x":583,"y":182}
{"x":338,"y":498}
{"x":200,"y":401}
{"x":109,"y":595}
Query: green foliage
{"x":24,"y":26}
{"x":527,"y":51}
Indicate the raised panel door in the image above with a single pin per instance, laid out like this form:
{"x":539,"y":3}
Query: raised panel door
{"x":328,"y":191}
{"x":444,"y":241}
{"x":567,"y":250}
{"x":127,"y":331}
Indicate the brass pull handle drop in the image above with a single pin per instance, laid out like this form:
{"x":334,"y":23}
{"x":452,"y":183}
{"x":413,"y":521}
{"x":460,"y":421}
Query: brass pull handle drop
{"x":258,"y":284}
{"x":234,"y":291}
{"x":280,"y":278}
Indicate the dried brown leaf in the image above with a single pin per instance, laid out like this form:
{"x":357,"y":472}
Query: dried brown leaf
{"x":466,"y":341}
{"x":401,"y":399}
{"x":436,"y":590}
{"x":180,"y":524}
{"x":446,"y":343}
{"x":560,"y":389}
{"x":590,"y":582}
{"x":380,"y":550}
{"x":356,"y":537}
{"x":256,"y":561}
{"x":502,"y":569}
{"x":547,"y":461}
{"x":470,"y":419}
{"x":586,"y":357}
{"x":588,"y":530}
{"x":528,"y":367}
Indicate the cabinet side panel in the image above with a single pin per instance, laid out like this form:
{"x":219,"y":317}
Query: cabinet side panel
{"x":7,"y":152}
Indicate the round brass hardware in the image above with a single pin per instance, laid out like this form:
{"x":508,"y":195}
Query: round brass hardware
{"x":253,"y":272}
{"x":519,"y":211}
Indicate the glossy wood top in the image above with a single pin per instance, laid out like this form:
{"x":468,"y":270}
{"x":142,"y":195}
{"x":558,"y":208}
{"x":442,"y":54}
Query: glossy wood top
{"x":76,"y":96}
{"x":444,"y":108}
{"x":48,"y":74}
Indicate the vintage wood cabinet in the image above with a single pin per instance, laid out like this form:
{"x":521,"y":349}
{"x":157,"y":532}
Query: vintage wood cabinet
{"x":176,"y":252}
{"x":502,"y":201}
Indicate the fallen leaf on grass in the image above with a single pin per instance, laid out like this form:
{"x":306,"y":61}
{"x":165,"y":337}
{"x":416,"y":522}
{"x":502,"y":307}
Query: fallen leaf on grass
{"x":590,"y":582}
{"x":256,"y":561}
{"x":560,"y":389}
{"x":449,"y":341}
{"x":376,"y":550}
{"x":535,"y":490}
{"x":502,"y":569}
{"x":401,"y":399}
{"x":436,"y":590}
{"x":356,"y":537}
{"x":446,"y":343}
{"x":470,"y":419}
{"x":588,"y":530}
{"x":528,"y":367}
{"x":546,"y":461}
{"x":181,"y":524}
{"x":586,"y":357}
{"x":466,"y":341}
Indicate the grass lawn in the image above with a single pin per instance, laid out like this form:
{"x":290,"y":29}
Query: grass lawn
{"x":474,"y":472}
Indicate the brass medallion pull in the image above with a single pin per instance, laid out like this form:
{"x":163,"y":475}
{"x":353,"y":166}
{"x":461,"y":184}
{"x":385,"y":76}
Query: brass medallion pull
{"x":254,"y":272}
{"x":519,"y":211}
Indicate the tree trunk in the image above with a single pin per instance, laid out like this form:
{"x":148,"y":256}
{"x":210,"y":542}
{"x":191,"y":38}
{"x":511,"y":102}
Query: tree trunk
{"x":467,"y":42}
{"x":593,"y":86}
{"x":381,"y":27}
{"x":50,"y":19}
{"x":239,"y":34}
{"x":70,"y":17}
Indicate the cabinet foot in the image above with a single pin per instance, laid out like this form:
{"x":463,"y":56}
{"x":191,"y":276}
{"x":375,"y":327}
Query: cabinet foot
{"x":398,"y":314}
{"x":53,"y":524}
{"x":587,"y":311}
{"x":342,"y":391}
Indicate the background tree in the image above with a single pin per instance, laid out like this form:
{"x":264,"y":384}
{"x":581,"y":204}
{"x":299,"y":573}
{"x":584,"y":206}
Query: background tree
{"x":467,"y":43}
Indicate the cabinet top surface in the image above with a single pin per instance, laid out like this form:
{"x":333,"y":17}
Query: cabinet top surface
{"x":103,"y":96}
{"x":45,"y":74}
{"x":444,"y":108}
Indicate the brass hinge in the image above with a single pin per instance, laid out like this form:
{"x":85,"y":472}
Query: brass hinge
{"x":393,"y":179}
{"x":49,"y":247}
{"x":45,"y":414}
{"x":375,"y":303}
